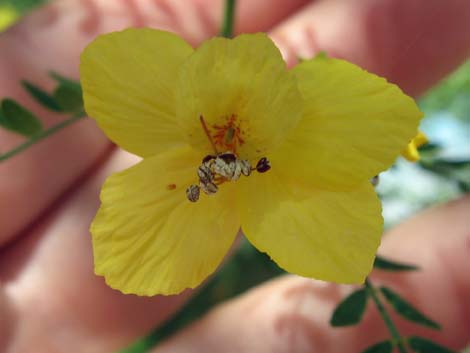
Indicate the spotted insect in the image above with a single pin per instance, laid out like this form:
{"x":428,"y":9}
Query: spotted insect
{"x":218,"y":168}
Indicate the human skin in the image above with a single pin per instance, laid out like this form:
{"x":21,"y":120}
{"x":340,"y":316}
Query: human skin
{"x":50,"y":300}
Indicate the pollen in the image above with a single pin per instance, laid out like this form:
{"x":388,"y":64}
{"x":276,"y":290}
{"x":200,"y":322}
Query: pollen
{"x":171,"y":186}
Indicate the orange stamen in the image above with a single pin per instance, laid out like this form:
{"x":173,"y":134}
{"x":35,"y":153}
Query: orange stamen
{"x":206,"y":130}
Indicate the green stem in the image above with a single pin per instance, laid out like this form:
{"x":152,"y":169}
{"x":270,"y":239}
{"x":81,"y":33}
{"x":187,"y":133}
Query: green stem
{"x":229,"y":14}
{"x":41,"y":135}
{"x":386,"y":317}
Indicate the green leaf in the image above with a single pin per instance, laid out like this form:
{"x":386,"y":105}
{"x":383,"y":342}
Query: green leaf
{"x":64,"y":81}
{"x":381,"y":347}
{"x":41,"y":96}
{"x":69,"y":99}
{"x":429,"y":147}
{"x":422,"y":345}
{"x":321,"y":55}
{"x":388,"y":265}
{"x":407,"y":310}
{"x":16,"y":118}
{"x":351,"y":309}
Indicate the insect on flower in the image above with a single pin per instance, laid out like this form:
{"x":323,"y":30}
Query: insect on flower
{"x":285,"y":155}
{"x":221,"y":167}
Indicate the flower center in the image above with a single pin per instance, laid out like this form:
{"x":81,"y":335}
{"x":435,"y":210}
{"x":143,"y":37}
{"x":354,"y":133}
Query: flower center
{"x":219,"y":168}
{"x":228,"y":136}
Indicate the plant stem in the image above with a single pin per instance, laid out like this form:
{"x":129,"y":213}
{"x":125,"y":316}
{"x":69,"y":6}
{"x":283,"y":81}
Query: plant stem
{"x":386,"y":317}
{"x":229,"y":13}
{"x":40,"y":136}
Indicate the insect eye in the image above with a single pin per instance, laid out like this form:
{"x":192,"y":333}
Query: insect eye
{"x":208,"y":158}
{"x":263,"y":165}
{"x":227,"y":157}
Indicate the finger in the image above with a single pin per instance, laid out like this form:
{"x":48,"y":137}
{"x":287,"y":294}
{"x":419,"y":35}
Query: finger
{"x":47,"y":275}
{"x":412,"y":43}
{"x":292,"y":314}
{"x":54,"y":301}
{"x":52,"y":39}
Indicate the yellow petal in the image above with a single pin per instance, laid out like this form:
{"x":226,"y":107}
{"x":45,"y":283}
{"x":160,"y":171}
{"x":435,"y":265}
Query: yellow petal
{"x":355,"y":124}
{"x":330,"y":236}
{"x":411,"y":152}
{"x":128,"y":81}
{"x":247,"y":77}
{"x":149,"y":239}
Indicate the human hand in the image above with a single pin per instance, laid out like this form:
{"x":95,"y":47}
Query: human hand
{"x":50,"y":299}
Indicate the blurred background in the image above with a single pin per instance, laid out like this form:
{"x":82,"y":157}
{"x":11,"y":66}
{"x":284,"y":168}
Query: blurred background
{"x":442,"y":174}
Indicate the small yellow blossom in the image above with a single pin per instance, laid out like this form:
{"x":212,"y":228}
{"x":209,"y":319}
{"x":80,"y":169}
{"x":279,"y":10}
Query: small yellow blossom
{"x":411,"y":152}
{"x":8,"y":16}
{"x":324,"y":127}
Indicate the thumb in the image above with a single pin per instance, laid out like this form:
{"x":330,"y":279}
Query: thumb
{"x":292,"y":314}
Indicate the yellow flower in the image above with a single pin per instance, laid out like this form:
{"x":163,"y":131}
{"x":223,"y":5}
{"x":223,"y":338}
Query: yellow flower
{"x":326,"y":127}
{"x":8,"y":16}
{"x":411,"y":152}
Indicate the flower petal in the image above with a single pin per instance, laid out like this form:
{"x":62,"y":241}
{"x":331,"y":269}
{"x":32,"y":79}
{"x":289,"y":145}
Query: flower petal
{"x":245,"y":76}
{"x":330,"y":236}
{"x":149,"y":239}
{"x":411,"y":152}
{"x":128,"y":81}
{"x":355,"y":125}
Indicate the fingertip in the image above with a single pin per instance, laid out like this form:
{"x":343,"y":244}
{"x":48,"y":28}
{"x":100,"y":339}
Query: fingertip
{"x":438,"y":242}
{"x":413,"y":44}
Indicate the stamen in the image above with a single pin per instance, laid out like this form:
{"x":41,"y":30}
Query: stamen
{"x":208,"y":134}
{"x":219,"y":168}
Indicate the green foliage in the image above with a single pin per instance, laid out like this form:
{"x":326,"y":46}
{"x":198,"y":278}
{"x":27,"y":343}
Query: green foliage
{"x":456,"y":170}
{"x":393,"y":266}
{"x":68,"y":98}
{"x":247,"y":268}
{"x":351,"y":309}
{"x":422,"y":345}
{"x":321,"y":55}
{"x":22,"y":5}
{"x":41,"y":96}
{"x":381,"y":347}
{"x":64,"y":81}
{"x":12,"y":10}
{"x":406,"y":310}
{"x":16,"y":118}
{"x":452,"y":95}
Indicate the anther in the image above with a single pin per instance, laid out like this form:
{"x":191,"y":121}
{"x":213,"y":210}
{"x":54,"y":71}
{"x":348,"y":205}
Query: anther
{"x":229,"y":134}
